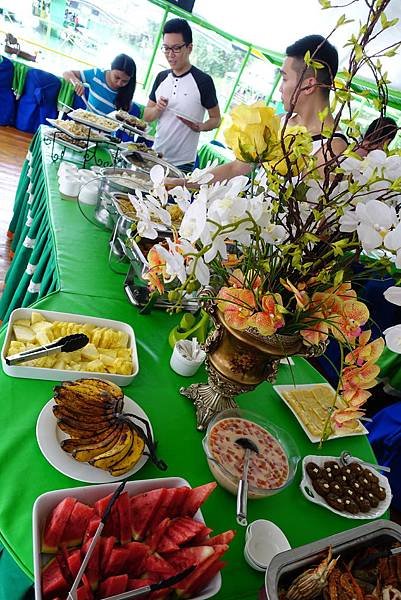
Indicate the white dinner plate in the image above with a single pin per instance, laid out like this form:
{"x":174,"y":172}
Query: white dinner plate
{"x":179,"y":113}
{"x":49,"y":437}
{"x":314,"y":438}
{"x":311,"y":494}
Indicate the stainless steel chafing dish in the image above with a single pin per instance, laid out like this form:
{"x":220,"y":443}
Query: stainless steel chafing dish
{"x":147,"y":160}
{"x":118,"y":181}
{"x":286,"y":566}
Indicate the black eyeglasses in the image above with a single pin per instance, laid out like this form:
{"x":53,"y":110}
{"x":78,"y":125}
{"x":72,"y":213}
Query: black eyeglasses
{"x":173,"y":49}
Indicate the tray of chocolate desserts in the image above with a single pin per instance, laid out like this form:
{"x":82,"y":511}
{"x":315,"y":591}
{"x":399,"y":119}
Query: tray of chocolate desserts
{"x":351,"y":490}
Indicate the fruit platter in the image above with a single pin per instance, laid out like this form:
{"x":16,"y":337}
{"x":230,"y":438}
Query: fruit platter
{"x":154,"y":531}
{"x":111,"y":351}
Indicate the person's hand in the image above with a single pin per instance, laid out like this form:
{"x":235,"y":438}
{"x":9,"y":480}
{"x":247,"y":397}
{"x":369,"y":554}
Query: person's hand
{"x":194,"y":126}
{"x":172,"y":182}
{"x":78,"y":87}
{"x":161,"y":104}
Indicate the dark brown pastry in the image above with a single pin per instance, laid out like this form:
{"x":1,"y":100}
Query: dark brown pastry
{"x":351,"y":506}
{"x":332,"y":465}
{"x":365,"y":483}
{"x":328,"y":474}
{"x":363,"y":503}
{"x":379,"y":491}
{"x":370,"y":476}
{"x":356,"y":486}
{"x":335,"y":488}
{"x":342,"y":479}
{"x":355,"y":468}
{"x":349,"y":473}
{"x":313,"y":470}
{"x":335,"y":501}
{"x":373,"y":500}
{"x":321,"y":486}
{"x":349,"y":493}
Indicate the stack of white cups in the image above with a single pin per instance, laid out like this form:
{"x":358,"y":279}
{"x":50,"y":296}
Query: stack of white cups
{"x":74,"y":183}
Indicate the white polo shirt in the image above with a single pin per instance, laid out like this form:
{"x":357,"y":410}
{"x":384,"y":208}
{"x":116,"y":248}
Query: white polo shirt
{"x":189,"y":95}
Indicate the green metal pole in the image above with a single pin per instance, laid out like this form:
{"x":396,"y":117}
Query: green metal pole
{"x":155,"y":49}
{"x":275,"y":84}
{"x":244,"y":62}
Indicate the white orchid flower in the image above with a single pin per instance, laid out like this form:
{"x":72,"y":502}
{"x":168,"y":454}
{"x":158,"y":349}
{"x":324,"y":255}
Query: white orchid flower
{"x":314,"y":192}
{"x":218,"y":246}
{"x":174,"y":262}
{"x":195,"y":265}
{"x":155,"y":209}
{"x":352,"y":166}
{"x":348,"y":221}
{"x":393,"y":295}
{"x":194,"y":220}
{"x":202,"y":176}
{"x":157,"y":176}
{"x":392,"y":242}
{"x":392,"y":335}
{"x":376,"y":219}
{"x":182,"y":197}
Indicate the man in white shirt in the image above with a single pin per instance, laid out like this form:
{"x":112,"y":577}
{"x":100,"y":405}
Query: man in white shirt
{"x":179,"y":98}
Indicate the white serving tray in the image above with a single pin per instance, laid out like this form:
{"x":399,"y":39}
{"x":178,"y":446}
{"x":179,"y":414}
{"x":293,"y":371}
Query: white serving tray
{"x":64,"y":374}
{"x":311,"y":495}
{"x":93,"y":137}
{"x":71,"y":144}
{"x":90,"y":494}
{"x":314,"y":438}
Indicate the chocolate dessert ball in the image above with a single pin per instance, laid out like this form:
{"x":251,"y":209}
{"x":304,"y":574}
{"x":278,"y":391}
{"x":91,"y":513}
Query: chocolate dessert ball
{"x":335,"y":502}
{"x":332,"y":465}
{"x":335,"y":488}
{"x":313,"y":470}
{"x":373,"y":500}
{"x":321,"y":486}
{"x":351,"y":506}
{"x":355,"y":468}
{"x":363,"y":503}
{"x":370,"y":476}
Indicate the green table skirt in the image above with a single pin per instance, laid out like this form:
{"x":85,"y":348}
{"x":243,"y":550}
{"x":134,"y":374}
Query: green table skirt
{"x":209,"y":153}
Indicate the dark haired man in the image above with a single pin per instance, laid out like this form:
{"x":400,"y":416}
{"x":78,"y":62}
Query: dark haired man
{"x":305,"y":94}
{"x":378,"y":135}
{"x":179,"y":98}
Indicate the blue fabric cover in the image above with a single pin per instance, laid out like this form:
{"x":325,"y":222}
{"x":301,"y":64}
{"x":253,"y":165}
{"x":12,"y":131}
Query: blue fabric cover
{"x":7,"y":97}
{"x":39,"y":100}
{"x":385,"y":438}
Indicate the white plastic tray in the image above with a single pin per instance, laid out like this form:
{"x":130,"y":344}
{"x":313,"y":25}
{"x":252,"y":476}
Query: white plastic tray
{"x":76,"y":115}
{"x":313,"y":438}
{"x":90,"y":494}
{"x":94,"y":137}
{"x":64,"y":374}
{"x":311,"y":495}
{"x":71,"y":144}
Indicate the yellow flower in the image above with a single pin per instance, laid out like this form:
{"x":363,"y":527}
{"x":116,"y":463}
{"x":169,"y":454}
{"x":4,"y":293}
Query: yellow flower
{"x":298,"y":149}
{"x":253,"y":135}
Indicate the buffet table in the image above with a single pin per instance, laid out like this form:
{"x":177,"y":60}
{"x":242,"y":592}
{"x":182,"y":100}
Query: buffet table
{"x":83,"y":283}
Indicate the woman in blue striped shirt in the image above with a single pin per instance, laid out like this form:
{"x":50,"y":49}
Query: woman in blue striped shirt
{"x":108,"y":90}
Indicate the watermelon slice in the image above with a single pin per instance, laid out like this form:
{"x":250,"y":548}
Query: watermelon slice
{"x":93,"y":524}
{"x":112,"y":525}
{"x":167,"y":545}
{"x":153,"y":540}
{"x":106,"y":545}
{"x":75,"y":528}
{"x":164,"y":509}
{"x":55,"y":525}
{"x":196,"y":582}
{"x":93,"y":566}
{"x":84,"y":591}
{"x":186,"y":557}
{"x":183,"y":529}
{"x":137,"y":552}
{"x":222,"y":538}
{"x":202,"y":537}
{"x":124,"y":513}
{"x":196,"y":497}
{"x":134,"y":584}
{"x":53,"y":580}
{"x":143,"y":507}
{"x":180,"y":497}
{"x":113,"y":585}
{"x":158,"y":568}
{"x":117,"y":562}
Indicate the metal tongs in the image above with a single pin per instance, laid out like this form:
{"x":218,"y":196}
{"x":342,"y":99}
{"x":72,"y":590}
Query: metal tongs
{"x":69,"y":343}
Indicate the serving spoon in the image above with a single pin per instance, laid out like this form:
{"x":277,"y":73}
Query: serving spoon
{"x":346,"y":458}
{"x":242,"y":493}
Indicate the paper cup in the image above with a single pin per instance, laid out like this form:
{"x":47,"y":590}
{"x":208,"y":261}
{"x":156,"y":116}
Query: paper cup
{"x":182,"y":365}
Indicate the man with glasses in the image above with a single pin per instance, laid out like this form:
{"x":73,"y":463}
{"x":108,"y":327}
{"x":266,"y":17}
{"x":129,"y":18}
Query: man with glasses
{"x":179,"y":98}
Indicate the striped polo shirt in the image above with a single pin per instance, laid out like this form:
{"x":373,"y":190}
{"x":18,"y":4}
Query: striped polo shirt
{"x":101,"y":99}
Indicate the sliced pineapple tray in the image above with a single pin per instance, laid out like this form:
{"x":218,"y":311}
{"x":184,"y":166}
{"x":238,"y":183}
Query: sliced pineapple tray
{"x":110,"y":354}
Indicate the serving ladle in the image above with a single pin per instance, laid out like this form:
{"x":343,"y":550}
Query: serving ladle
{"x":242,"y":493}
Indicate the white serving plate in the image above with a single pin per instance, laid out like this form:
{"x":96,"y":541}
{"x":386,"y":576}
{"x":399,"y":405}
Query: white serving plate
{"x":314,"y":438}
{"x":64,"y":374}
{"x":93,"y":137}
{"x":90,"y":494}
{"x":264,"y":539}
{"x":179,"y":113}
{"x":123,"y":125}
{"x":73,"y":146}
{"x":76,"y":116}
{"x":49,"y":436}
{"x":311,"y":495}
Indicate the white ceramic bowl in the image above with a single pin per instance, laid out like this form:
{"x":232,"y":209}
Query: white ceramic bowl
{"x":263,"y":541}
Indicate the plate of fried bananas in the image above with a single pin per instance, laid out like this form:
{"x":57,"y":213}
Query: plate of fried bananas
{"x":91,"y":432}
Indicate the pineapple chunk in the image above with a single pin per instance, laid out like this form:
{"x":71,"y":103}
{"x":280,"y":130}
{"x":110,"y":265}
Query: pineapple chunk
{"x":107,"y":360}
{"x":36,"y":318}
{"x":95,"y":366}
{"x":41,"y":326}
{"x":15,"y":347}
{"x":124,"y":353}
{"x":89,"y":352}
{"x":24,"y":334}
{"x":59,"y":364}
{"x":42,"y":338}
{"x":23,"y":322}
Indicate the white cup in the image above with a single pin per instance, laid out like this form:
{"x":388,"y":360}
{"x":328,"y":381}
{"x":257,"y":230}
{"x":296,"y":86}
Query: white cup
{"x":69,"y":186}
{"x":89,"y":192}
{"x":182,"y":365}
{"x":66,"y":168}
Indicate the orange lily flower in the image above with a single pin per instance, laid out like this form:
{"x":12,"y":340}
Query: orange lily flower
{"x":237,"y":279}
{"x":365,"y":352}
{"x":301,"y":296}
{"x":360,"y":377}
{"x":346,"y":418}
{"x":355,"y":397}
{"x":156,"y":267}
{"x":347,"y":325}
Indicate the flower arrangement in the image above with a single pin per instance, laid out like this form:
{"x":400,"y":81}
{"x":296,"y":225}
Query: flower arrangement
{"x":281,"y":248}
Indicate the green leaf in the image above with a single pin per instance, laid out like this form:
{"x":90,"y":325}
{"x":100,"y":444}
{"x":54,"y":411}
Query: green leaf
{"x":325,"y":4}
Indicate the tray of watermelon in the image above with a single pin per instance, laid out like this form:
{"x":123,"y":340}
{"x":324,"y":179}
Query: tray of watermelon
{"x":155,"y":531}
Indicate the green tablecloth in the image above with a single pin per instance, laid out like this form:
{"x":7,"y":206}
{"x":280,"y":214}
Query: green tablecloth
{"x":86,"y":285}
